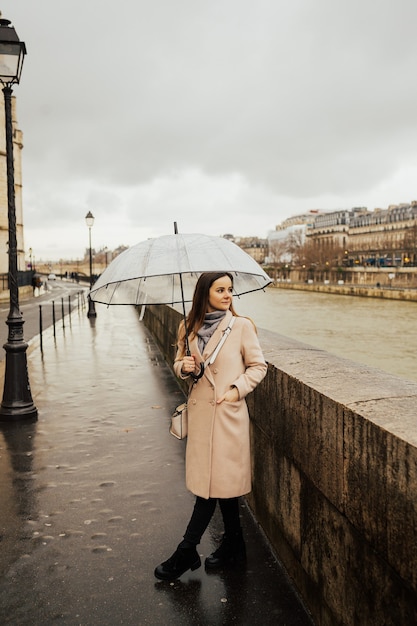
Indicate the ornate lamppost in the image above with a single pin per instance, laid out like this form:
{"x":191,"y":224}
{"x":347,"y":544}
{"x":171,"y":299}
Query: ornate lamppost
{"x":17,"y":403}
{"x":89,"y":220}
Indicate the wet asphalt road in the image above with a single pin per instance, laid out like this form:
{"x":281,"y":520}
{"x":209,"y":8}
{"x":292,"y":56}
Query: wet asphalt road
{"x":60,"y":295}
{"x":93,"y":496}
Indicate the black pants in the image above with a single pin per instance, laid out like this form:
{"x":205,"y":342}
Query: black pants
{"x":203,"y":512}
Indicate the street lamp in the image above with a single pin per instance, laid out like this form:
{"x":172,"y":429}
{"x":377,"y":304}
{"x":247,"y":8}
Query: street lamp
{"x":89,"y":220}
{"x":17,"y":403}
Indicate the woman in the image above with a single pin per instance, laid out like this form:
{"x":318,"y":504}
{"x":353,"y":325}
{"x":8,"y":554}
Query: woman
{"x":218,"y":448}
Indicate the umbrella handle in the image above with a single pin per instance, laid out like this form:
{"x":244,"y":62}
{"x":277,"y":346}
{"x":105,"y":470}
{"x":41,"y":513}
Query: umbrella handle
{"x":196,"y":377}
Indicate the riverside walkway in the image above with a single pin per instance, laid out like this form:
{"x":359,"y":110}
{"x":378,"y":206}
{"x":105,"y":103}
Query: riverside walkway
{"x":93,"y":496}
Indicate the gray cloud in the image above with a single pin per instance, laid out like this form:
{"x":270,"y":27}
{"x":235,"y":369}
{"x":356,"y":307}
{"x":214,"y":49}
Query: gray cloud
{"x":236,"y":112}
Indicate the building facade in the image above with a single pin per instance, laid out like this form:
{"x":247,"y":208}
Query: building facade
{"x":4,"y":221}
{"x":384,"y":238}
{"x":254,"y":246}
{"x":380,"y":238}
{"x":288,"y":236}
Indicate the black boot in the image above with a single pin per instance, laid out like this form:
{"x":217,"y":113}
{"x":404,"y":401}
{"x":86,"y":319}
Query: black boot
{"x":232,"y":551}
{"x":182,"y":560}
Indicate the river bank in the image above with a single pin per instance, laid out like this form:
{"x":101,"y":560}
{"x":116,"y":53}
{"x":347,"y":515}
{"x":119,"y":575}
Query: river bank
{"x":370,"y":291}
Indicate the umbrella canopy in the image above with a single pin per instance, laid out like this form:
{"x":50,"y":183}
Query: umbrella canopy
{"x":165,"y":270}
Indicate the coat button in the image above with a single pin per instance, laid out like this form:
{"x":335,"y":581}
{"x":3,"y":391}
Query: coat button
{"x":212,"y":403}
{"x":215,"y":370}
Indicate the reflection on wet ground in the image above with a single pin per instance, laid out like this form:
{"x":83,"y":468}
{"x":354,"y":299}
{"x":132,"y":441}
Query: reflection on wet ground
{"x":17,"y":489}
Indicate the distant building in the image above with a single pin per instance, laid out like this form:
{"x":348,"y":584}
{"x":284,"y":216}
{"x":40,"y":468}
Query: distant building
{"x":303,"y":219}
{"x":383,"y":237}
{"x":288,"y":235}
{"x":255,"y":247}
{"x":332,"y":228}
{"x":4,"y":221}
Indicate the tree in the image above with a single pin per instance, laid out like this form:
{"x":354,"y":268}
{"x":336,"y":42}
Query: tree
{"x":296,"y":246}
{"x":278,"y":251}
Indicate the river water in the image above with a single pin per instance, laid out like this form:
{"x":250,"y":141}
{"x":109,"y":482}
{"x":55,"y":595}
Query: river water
{"x":376,"y":332}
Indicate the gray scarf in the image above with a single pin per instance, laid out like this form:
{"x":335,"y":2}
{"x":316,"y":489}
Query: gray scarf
{"x":211,"y":321}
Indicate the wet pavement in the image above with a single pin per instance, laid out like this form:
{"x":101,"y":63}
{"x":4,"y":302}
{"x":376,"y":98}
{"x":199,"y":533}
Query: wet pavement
{"x":93,"y":496}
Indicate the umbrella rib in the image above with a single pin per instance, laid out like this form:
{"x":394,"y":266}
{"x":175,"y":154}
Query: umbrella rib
{"x":113,"y":292}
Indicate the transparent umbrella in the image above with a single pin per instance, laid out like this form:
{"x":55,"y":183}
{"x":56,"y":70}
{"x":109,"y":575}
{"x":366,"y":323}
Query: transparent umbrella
{"x":164,"y":270}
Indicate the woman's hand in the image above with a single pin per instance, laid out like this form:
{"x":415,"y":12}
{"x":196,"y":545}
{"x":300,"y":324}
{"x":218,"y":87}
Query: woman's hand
{"x":231,"y":395}
{"x":188,"y":364}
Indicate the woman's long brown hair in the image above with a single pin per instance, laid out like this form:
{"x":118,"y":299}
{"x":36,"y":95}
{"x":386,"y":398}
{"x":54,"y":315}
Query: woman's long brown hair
{"x":195,"y":317}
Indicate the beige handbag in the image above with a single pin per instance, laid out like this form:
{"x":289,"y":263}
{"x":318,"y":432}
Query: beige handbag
{"x":179,"y":422}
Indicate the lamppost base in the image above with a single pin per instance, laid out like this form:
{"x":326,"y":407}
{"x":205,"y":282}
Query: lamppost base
{"x":17,"y":403}
{"x":91,"y":308}
{"x":24,"y":412}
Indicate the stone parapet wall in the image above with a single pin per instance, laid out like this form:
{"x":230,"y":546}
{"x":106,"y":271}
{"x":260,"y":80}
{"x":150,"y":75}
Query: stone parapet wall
{"x":24,"y":292}
{"x":392,"y":277}
{"x":409,"y":295}
{"x":334,"y":447}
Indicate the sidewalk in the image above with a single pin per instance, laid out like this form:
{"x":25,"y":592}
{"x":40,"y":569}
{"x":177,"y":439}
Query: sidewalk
{"x":93,"y":496}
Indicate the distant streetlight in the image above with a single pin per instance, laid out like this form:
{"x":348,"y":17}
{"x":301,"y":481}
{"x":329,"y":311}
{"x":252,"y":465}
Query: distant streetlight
{"x":17,"y":403}
{"x":89,"y":220}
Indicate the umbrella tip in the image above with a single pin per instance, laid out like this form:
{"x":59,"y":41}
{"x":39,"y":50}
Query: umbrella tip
{"x":175,"y":228}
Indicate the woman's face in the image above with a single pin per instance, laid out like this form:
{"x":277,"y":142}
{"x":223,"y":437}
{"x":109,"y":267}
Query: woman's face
{"x":220,"y":295}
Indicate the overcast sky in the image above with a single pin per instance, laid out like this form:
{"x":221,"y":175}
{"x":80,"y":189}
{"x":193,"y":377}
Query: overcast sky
{"x":227,"y":116}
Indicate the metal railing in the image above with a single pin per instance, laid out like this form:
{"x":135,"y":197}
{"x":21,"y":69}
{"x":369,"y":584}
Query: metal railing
{"x":23,"y":279}
{"x":57,"y":311}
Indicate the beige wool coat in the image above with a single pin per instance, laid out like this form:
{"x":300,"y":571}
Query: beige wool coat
{"x":218,"y":461}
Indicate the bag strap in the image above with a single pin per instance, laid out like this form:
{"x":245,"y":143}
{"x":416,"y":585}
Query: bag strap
{"x":217,"y":349}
